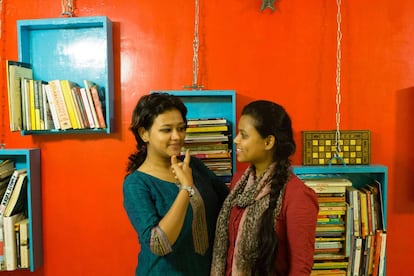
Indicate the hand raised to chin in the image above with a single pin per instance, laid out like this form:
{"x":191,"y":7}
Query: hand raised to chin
{"x":182,"y":170}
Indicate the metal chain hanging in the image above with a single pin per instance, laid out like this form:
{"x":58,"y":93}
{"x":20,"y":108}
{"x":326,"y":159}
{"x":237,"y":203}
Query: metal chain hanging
{"x":67,"y":8}
{"x":338,"y":79}
{"x":196,"y":43}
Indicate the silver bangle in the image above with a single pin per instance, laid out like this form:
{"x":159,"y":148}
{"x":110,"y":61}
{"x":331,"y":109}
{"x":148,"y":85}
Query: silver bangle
{"x":189,"y":189}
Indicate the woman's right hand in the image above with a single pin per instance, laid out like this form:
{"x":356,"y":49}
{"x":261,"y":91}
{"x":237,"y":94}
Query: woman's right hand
{"x":182,"y":170}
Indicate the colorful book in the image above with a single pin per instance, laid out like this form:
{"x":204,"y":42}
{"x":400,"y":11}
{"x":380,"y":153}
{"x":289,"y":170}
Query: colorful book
{"x":18,"y":198}
{"x":208,"y":121}
{"x":98,"y":106}
{"x":208,"y":128}
{"x":9,"y":190}
{"x":60,"y":105}
{"x":10,"y":244}
{"x":66,"y":87}
{"x":15,"y":71}
{"x":88,"y":86}
{"x":24,"y":243}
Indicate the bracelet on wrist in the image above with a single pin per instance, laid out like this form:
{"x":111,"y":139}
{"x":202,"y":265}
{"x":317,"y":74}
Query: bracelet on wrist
{"x":189,"y":189}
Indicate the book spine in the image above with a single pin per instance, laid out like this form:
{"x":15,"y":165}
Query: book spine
{"x":52,"y":107}
{"x":98,"y":106}
{"x":59,"y":101}
{"x":32,"y":104}
{"x":212,"y":155}
{"x":70,"y":106}
{"x":24,"y":244}
{"x":208,"y":129}
{"x":8,"y":191}
{"x":87,"y":107}
{"x":10,"y":243}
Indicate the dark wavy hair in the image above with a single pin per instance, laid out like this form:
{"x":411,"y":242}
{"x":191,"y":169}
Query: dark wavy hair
{"x":271,"y":119}
{"x":147,"y":109}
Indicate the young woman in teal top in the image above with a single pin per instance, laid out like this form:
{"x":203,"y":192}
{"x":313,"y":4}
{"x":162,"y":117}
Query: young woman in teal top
{"x":172,"y":204}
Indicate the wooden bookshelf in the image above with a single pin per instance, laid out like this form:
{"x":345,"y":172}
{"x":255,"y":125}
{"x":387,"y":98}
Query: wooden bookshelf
{"x":75,"y":49}
{"x":30,"y":159}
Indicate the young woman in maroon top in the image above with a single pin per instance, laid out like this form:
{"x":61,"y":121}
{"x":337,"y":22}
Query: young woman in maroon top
{"x":267,"y":223}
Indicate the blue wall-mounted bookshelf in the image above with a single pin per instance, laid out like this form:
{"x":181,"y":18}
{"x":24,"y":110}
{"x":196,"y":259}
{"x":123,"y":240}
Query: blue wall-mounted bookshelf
{"x":74,"y":48}
{"x":30,"y":159}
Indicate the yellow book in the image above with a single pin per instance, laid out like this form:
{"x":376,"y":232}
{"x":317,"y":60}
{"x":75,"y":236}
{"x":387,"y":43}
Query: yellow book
{"x":364,"y":215}
{"x":24,"y":243}
{"x":70,"y":105}
{"x":32,"y":105}
{"x":208,"y":129}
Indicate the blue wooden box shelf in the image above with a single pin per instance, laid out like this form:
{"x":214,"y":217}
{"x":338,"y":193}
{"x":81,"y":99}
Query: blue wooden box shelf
{"x":75,"y":48}
{"x":358,"y":174}
{"x":210,"y":104}
{"x":30,"y":159}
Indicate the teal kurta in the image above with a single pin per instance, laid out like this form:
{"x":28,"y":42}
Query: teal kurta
{"x":147,"y":199}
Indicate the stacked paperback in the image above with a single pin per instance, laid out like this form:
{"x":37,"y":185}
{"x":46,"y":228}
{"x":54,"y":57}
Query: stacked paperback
{"x":210,"y":140}
{"x":14,"y":225}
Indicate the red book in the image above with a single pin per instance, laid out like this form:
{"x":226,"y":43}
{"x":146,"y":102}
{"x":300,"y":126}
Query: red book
{"x":98,"y":106}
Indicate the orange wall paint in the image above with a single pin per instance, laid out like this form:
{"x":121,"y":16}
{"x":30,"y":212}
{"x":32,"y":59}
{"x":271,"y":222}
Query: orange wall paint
{"x":288,"y":56}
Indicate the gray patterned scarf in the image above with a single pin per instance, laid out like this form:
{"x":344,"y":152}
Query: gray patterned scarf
{"x":253,"y":194}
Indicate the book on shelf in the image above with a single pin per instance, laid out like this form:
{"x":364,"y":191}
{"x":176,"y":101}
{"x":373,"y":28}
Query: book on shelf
{"x":364,"y":214}
{"x":80,"y":108}
{"x":328,"y":185}
{"x":26,"y":104}
{"x":91,"y":114}
{"x":377,"y":252}
{"x":88,"y":85}
{"x":208,"y":128}
{"x":32,"y":110}
{"x":49,"y":120}
{"x":328,"y":272}
{"x":60,"y":105}
{"x":24,"y":243}
{"x":212,"y":155}
{"x":6,"y":168}
{"x":52,"y":106}
{"x":381,"y":266}
{"x":10,"y":242}
{"x":18,"y":198}
{"x":207,"y":121}
{"x":357,"y":255}
{"x":15,"y":71}
{"x":371,"y":220}
{"x":330,"y":265}
{"x":98,"y":102}
{"x":376,"y":191}
{"x":66,"y":87}
{"x":38,"y":108}
{"x":353,"y":198}
{"x":10,"y":187}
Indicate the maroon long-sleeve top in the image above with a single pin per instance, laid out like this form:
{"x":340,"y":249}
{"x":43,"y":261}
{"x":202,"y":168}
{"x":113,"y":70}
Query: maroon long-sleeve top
{"x":295,"y":227}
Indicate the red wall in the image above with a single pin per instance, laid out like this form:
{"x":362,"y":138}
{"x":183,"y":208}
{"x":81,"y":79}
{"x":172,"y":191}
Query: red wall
{"x":288,"y":56}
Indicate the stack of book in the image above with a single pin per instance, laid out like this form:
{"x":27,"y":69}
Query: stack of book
{"x":14,"y":243}
{"x":56,"y":104}
{"x":331,"y":241}
{"x":210,"y":140}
